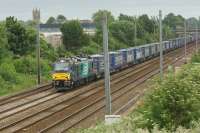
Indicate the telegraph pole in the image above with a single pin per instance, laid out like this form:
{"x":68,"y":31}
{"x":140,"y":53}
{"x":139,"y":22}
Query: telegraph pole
{"x":106,"y":66}
{"x":196,"y":37}
{"x":198,"y":22}
{"x":36,"y":18}
{"x":185,"y":47}
{"x":135,"y":35}
{"x":161,"y":45}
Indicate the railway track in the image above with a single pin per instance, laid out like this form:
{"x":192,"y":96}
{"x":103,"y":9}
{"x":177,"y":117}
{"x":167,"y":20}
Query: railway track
{"x":39,"y":97}
{"x":50,"y":114}
{"x":61,"y":99}
{"x":135,"y":96}
{"x":90,"y":110}
{"x":31,"y":93}
{"x":21,"y":95}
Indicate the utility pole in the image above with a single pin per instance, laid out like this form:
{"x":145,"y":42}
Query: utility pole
{"x":36,"y":18}
{"x":196,"y":36}
{"x":135,"y":34}
{"x":161,"y":45}
{"x":185,"y":54}
{"x":198,"y":23}
{"x":106,"y":66}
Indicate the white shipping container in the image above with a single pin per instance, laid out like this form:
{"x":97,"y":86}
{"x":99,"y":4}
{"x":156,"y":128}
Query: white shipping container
{"x":153,"y":49}
{"x":118,"y":59}
{"x":138,"y":54}
{"x":130,"y":57}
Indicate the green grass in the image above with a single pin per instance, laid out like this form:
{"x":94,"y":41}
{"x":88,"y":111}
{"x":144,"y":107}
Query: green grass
{"x":25,"y":82}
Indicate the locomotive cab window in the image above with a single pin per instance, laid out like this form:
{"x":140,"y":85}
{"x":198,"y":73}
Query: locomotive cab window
{"x":61,"y":67}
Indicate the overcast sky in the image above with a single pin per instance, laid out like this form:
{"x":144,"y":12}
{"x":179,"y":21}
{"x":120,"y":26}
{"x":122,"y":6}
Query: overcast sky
{"x":83,"y":9}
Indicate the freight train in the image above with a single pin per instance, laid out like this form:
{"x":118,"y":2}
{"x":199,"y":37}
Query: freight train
{"x":75,"y":71}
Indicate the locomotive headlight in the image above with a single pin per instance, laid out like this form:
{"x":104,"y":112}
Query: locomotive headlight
{"x":68,"y":76}
{"x":54,"y":76}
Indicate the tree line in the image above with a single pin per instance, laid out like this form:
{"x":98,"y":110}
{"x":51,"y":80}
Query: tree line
{"x":18,"y":55}
{"x":124,"y":31}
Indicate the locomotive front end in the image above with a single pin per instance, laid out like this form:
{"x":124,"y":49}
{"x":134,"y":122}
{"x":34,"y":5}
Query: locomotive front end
{"x":61,"y":76}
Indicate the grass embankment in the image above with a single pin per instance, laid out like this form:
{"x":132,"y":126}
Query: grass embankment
{"x":20,"y":74}
{"x":25,"y":82}
{"x":171,"y":106}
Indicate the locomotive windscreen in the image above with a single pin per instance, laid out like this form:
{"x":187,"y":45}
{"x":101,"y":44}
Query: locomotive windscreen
{"x":61,"y":67}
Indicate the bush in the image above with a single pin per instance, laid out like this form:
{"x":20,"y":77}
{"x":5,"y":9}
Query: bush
{"x":62,"y":52}
{"x":8,"y":72}
{"x":47,"y":51}
{"x":174,"y":102}
{"x":45,"y":68}
{"x":196,"y":57}
{"x":26,"y":65}
{"x":114,"y":44}
{"x":4,"y":85}
{"x":93,"y":48}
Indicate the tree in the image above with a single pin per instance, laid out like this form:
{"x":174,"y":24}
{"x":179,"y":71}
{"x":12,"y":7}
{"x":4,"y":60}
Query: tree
{"x":97,"y":18}
{"x":173,"y":21}
{"x":126,"y":17}
{"x":167,"y":33}
{"x":8,"y":72}
{"x":51,"y":20}
{"x":175,"y":101}
{"x":61,"y":19}
{"x":73,"y":36}
{"x":20,"y":40}
{"x":147,"y":24}
{"x":192,"y":23}
{"x":123,"y":31}
{"x":47,"y":51}
{"x":3,"y":36}
{"x":3,"y":41}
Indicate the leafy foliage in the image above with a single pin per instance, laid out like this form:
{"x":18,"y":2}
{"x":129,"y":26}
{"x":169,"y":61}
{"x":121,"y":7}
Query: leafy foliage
{"x":26,"y":65}
{"x":196,"y":57}
{"x":97,"y":18}
{"x":175,"y":101}
{"x":51,"y":20}
{"x":92,"y":48}
{"x":146,"y":23}
{"x":124,"y":31}
{"x":20,"y":40}
{"x":8,"y":72}
{"x":126,"y":18}
{"x":73,"y":36}
{"x":17,"y":56}
{"x":3,"y":42}
{"x":47,"y":51}
{"x":129,"y":124}
{"x":174,"y":21}
{"x":61,"y":19}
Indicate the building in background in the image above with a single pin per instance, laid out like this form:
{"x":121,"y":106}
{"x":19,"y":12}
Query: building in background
{"x":88,"y":27}
{"x":53,"y":35}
